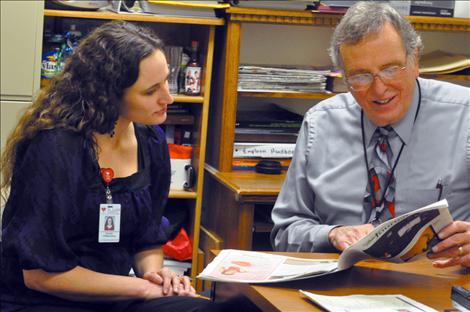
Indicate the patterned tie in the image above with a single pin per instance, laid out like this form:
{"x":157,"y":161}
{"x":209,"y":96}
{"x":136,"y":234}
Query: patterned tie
{"x":382,"y":176}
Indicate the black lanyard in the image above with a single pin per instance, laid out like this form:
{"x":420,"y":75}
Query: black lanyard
{"x":398,"y":157}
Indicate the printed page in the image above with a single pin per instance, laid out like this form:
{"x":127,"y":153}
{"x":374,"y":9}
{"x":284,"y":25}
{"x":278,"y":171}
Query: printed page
{"x":258,"y":267}
{"x":400,"y":239}
{"x":364,"y":303}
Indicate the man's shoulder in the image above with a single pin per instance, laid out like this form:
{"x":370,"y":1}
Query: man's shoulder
{"x":445,"y":92}
{"x":337,"y":107}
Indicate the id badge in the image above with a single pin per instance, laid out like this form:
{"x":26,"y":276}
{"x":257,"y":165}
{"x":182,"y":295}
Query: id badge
{"x":110,"y":223}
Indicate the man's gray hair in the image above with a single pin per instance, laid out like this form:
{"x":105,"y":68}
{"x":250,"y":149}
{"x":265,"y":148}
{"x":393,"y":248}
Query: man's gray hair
{"x":366,"y":17}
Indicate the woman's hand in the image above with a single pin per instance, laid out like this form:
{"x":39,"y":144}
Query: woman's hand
{"x":172,"y":283}
{"x":454,"y":247}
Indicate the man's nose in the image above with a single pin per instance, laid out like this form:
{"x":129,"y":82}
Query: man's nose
{"x":378,"y":86}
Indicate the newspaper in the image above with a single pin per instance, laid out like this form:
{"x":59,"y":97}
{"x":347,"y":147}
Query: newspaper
{"x":398,"y":240}
{"x":364,"y":303}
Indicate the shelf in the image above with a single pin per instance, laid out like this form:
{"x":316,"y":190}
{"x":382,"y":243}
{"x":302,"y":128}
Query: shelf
{"x":182,"y":194}
{"x":249,"y":182}
{"x":179,"y":119}
{"x":149,"y":18}
{"x":188,"y":98}
{"x":288,"y":95}
{"x":251,"y":15}
{"x":446,"y":77}
{"x":181,"y":98}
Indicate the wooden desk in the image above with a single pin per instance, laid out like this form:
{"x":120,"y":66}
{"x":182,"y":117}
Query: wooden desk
{"x":417,"y":280}
{"x":233,"y":196}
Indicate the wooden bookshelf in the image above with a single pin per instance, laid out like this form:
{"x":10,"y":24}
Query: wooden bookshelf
{"x":288,"y":95}
{"x":250,"y":15}
{"x":135,"y":17}
{"x":234,"y":195}
{"x":183,"y":194}
{"x":188,"y":98}
{"x":225,"y":116}
{"x":447,"y":77}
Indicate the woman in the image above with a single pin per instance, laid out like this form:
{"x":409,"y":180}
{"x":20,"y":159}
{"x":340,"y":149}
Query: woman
{"x":99,"y":114}
{"x":109,"y":225}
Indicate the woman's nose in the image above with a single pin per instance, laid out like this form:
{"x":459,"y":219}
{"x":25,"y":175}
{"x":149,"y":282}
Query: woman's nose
{"x":166,"y":97}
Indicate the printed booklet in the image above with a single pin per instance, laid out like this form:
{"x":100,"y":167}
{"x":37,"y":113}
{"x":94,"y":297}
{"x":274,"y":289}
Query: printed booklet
{"x":398,"y":240}
{"x":367,"y":303}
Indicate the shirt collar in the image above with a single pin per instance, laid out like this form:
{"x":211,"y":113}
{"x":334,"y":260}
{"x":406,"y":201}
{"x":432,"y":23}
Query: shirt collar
{"x":403,"y":127}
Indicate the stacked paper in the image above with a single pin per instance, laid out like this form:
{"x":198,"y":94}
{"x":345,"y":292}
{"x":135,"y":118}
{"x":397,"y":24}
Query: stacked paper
{"x":281,"y":79}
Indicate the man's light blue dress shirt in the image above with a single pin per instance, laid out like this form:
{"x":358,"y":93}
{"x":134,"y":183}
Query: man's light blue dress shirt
{"x":326,"y":181}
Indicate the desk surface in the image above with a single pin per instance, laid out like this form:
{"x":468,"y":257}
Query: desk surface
{"x":417,"y":280}
{"x":249,"y":183}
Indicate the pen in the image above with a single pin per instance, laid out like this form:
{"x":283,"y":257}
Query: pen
{"x":440,"y":187}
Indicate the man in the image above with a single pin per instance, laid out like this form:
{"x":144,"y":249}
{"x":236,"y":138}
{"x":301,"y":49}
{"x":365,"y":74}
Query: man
{"x":405,"y":138}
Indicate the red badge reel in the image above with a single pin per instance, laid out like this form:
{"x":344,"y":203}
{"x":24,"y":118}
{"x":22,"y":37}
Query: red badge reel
{"x":107,"y":175}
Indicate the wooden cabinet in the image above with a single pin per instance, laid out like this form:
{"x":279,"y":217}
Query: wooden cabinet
{"x":230,"y":208}
{"x":174,"y":31}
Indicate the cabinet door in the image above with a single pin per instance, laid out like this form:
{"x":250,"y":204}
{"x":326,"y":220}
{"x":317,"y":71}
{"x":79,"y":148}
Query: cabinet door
{"x":21,"y":43}
{"x":10,"y":113}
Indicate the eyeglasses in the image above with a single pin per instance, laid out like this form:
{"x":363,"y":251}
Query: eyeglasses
{"x":361,"y":82}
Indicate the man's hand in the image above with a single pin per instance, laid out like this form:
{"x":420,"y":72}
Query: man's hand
{"x":171,"y":282}
{"x":454,"y":247}
{"x":344,"y":236}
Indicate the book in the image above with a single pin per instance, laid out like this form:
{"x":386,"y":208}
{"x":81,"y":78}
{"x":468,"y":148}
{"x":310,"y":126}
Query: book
{"x":179,"y":119}
{"x":433,"y":8}
{"x":401,"y":239}
{"x":276,"y":4}
{"x":275,"y":118}
{"x":341,"y":6}
{"x":263,"y":150}
{"x":367,"y":303}
{"x":440,"y":62}
{"x":265,"y":135}
{"x":202,"y":9}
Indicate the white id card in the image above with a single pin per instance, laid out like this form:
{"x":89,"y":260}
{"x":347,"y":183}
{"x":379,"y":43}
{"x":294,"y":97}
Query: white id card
{"x":110,"y":223}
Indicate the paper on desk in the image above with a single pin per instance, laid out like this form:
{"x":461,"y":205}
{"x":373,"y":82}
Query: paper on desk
{"x":400,"y":239}
{"x":364,"y":303}
{"x":257,"y":267}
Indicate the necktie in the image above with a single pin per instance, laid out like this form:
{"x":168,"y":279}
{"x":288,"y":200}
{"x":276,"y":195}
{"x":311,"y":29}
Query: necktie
{"x":381,"y":175}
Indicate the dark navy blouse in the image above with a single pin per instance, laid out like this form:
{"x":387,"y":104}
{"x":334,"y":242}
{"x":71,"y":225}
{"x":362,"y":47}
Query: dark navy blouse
{"x":51,"y":218}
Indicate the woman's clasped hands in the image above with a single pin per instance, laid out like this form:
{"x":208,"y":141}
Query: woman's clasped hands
{"x":171,"y":283}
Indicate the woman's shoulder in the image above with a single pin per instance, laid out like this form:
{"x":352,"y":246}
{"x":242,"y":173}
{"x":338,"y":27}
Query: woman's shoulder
{"x":58,"y":138}
{"x":53,"y":142}
{"x":153,"y":135}
{"x":154,"y":132}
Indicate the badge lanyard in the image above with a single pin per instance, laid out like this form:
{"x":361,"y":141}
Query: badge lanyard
{"x":399,"y":153}
{"x":109,"y":213}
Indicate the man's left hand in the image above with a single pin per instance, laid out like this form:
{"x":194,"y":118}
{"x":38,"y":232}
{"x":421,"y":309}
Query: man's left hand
{"x":454,"y":246}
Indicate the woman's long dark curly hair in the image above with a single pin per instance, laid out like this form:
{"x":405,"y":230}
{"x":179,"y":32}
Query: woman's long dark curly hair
{"x":86,"y":96}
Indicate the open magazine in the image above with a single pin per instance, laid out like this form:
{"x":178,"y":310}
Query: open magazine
{"x":398,"y":240}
